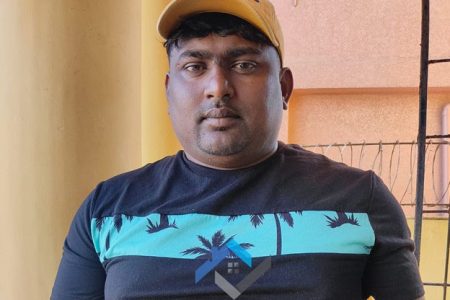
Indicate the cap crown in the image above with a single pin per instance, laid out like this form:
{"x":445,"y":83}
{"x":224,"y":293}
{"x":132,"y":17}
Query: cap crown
{"x":259,"y":13}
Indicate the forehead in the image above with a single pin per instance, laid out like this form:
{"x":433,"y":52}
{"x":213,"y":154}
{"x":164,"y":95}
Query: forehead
{"x":214,"y":45}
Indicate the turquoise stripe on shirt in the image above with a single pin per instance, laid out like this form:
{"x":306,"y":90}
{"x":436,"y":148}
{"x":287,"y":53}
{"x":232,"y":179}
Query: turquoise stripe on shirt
{"x":310,"y":233}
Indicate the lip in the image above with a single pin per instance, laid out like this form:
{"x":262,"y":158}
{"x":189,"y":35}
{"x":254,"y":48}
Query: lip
{"x":220,"y":113}
{"x":219,"y":119}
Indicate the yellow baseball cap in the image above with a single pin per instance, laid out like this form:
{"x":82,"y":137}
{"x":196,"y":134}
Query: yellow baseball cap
{"x":259,"y":13}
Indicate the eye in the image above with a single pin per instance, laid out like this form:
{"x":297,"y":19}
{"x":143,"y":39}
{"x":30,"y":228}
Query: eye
{"x":194,"y":67}
{"x":244,"y":67}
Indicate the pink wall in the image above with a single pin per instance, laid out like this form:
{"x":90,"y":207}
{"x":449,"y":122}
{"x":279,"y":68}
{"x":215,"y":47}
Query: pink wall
{"x":348,"y":44}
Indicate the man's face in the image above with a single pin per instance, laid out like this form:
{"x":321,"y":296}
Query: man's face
{"x":226,"y":98}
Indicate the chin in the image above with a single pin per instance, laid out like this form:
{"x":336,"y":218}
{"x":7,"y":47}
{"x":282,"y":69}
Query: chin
{"x":221,"y":148}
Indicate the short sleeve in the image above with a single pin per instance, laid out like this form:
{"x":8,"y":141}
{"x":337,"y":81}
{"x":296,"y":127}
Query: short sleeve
{"x":392,"y":270}
{"x":80,"y":274}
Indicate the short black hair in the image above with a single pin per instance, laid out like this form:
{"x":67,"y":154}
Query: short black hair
{"x":204,"y":24}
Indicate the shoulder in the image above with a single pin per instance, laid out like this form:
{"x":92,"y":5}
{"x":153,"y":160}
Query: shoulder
{"x":315,"y":164}
{"x":324,"y":184}
{"x":124,"y":192}
{"x":140,"y":174}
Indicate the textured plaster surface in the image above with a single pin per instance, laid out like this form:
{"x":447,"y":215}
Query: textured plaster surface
{"x":346,"y":44}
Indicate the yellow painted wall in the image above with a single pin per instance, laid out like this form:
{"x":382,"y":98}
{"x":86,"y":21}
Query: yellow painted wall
{"x":433,"y":247}
{"x":158,"y":138}
{"x":69,"y":117}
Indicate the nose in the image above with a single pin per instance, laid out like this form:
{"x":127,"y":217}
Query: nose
{"x":218,"y":86}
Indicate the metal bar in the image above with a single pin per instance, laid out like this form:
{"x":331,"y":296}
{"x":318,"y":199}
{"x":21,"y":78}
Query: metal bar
{"x":423,"y":93}
{"x":372,"y":144}
{"x":438,"y":136}
{"x":435,"y":284}
{"x":427,"y":204}
{"x":435,"y":211}
{"x":447,"y":259}
{"x":438,"y":61}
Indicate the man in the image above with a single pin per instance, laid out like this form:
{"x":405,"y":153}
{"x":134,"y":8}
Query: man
{"x":330,"y":231}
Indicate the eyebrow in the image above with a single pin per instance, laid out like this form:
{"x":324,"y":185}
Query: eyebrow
{"x":231,"y":53}
{"x":201,"y":54}
{"x":236,"y":52}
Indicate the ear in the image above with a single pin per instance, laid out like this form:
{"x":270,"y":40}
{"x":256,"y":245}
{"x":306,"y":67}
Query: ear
{"x":287,"y":85}
{"x":166,"y":83}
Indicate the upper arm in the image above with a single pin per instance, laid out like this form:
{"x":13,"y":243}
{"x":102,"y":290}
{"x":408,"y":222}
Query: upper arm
{"x":80,"y":274}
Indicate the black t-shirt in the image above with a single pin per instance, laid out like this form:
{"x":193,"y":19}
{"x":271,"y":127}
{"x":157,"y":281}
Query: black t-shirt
{"x":164,"y":232}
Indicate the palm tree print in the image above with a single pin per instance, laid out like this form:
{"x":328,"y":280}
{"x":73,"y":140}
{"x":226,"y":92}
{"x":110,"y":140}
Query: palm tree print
{"x":218,"y":240}
{"x":99,"y":223}
{"x":118,"y":222}
{"x":107,"y":242}
{"x":258,"y":219}
{"x":342,"y":219}
{"x":117,"y":225}
{"x":163,"y":224}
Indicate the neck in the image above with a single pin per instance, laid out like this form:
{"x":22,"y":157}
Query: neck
{"x":222,"y":166}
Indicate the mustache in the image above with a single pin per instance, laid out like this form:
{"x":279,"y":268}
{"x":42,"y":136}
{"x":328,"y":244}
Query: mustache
{"x":218,"y":112}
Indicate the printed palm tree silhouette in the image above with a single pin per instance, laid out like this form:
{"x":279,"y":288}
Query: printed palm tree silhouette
{"x":99,"y":223}
{"x":258,"y":219}
{"x":107,"y":242}
{"x":217,"y":241}
{"x":163,"y":224}
{"x":117,"y":221}
{"x":342,"y":219}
